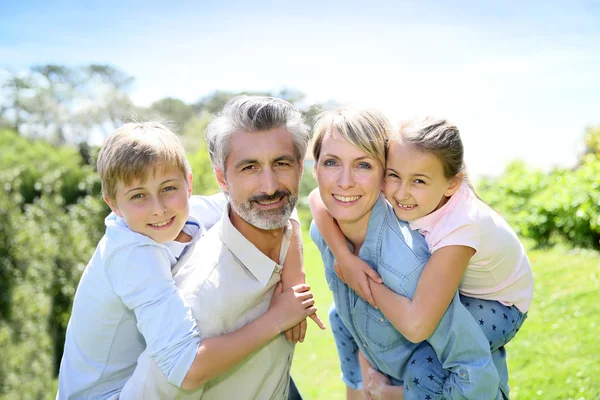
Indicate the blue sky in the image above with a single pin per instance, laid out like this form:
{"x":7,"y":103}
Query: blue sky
{"x":520,"y":80}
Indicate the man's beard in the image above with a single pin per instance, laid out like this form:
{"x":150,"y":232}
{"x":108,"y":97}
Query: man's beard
{"x":266,"y":219}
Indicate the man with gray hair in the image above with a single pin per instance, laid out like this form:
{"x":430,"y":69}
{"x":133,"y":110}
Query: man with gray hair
{"x":257,"y":146}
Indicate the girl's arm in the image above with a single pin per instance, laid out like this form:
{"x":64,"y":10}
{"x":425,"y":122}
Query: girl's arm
{"x":416,"y":319}
{"x":292,"y":275}
{"x":352,"y":270}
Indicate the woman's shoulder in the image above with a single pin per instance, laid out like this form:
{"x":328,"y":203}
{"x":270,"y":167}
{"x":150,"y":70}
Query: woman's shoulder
{"x":399,"y":241}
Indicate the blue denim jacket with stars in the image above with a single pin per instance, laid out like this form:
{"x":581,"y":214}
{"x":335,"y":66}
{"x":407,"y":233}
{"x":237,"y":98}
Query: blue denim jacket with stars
{"x":399,"y":256}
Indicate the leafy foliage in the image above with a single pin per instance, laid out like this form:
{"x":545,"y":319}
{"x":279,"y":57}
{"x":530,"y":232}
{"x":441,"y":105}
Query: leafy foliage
{"x":563,"y":205}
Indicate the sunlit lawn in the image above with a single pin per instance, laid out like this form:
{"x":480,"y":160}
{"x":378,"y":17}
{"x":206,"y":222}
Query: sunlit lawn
{"x":554,"y":356}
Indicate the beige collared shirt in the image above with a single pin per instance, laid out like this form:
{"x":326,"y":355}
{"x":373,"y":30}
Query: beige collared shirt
{"x":228,"y":283}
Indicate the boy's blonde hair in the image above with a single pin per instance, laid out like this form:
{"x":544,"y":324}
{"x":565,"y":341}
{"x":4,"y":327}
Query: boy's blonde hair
{"x":366,"y":129}
{"x":135,"y":150}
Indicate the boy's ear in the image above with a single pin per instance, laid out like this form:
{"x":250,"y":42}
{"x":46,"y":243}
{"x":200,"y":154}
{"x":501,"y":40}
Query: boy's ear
{"x":112,"y":206}
{"x":454,"y":184}
{"x":189,"y":180}
{"x":220,"y":175}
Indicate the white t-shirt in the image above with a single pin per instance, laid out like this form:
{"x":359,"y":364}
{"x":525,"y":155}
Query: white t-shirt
{"x":500,"y":269}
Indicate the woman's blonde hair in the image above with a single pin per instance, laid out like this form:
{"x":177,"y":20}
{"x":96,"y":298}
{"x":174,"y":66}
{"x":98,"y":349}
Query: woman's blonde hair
{"x":367,"y":129}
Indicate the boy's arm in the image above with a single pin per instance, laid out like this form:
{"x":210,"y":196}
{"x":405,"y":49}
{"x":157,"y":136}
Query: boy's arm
{"x":208,"y":209}
{"x":217,"y":355}
{"x":293,"y":274}
{"x":141,"y":277}
{"x":351,"y":269}
{"x":416,"y":319}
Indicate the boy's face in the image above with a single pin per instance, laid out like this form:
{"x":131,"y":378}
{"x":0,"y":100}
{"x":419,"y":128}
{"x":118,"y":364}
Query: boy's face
{"x":157,"y":207}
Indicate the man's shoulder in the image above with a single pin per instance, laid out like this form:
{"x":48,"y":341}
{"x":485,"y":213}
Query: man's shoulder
{"x":204,"y":257}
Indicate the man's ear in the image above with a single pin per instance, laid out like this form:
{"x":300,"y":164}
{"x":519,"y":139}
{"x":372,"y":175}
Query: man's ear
{"x":112,"y":206}
{"x":454,"y":184}
{"x":221,"y":180}
{"x":189,"y":180}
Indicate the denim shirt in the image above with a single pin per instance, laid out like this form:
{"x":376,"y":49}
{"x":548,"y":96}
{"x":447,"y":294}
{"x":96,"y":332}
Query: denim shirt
{"x":399,"y":255}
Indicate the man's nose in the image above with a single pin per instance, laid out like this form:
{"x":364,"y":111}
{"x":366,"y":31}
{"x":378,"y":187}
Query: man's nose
{"x":269,"y":181}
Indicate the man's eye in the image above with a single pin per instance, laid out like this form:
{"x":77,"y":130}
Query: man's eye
{"x":249,"y":168}
{"x":282,"y":164}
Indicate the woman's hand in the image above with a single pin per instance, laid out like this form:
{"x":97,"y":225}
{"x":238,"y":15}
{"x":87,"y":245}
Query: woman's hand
{"x":380,"y":387}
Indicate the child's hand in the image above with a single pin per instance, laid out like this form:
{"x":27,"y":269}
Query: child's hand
{"x":356,"y":274}
{"x":298,"y":332}
{"x":290,"y":307}
{"x":379,"y":387}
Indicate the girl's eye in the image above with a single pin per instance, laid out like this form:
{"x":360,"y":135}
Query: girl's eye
{"x":364,"y":165}
{"x":393,"y":175}
{"x":419,"y":181}
{"x":329,"y":163}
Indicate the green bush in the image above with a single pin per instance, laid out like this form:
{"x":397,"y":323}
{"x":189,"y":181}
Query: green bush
{"x":563,"y":205}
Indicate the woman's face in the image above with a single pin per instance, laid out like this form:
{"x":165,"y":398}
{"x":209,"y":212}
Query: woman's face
{"x":349,"y":179}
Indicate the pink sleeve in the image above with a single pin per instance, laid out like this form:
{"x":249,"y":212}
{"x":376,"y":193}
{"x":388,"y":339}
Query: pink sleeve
{"x":466,"y":235}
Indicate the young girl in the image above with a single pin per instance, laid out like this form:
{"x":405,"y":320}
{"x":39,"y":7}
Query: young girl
{"x":473,"y":249}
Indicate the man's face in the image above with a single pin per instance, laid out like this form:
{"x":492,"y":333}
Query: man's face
{"x":262,"y":178}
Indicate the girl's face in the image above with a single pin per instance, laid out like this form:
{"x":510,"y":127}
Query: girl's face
{"x":415,"y":184}
{"x":349,"y":180}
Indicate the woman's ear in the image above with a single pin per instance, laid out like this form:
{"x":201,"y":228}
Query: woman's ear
{"x":454,"y":184}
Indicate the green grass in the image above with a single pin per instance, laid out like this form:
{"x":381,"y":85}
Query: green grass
{"x":554,"y":356}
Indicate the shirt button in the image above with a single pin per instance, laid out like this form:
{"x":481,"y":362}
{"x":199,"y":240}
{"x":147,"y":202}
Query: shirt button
{"x":381,"y":319}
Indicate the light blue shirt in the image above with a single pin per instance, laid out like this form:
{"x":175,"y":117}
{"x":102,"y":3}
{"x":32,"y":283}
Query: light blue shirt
{"x":399,"y":256}
{"x":126,"y":302}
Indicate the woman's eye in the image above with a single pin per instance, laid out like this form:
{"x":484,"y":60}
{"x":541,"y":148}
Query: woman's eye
{"x":419,"y":181}
{"x":393,"y":175}
{"x":364,"y":165}
{"x":329,"y":163}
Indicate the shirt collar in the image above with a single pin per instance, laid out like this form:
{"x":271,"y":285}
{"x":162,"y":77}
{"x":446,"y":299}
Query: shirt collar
{"x":425,"y":224}
{"x":259,"y":265}
{"x":377,"y":219}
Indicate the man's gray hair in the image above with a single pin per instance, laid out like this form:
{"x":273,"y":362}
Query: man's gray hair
{"x":254,"y":114}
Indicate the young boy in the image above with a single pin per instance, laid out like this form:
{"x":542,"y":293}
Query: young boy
{"x":127,"y":300}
